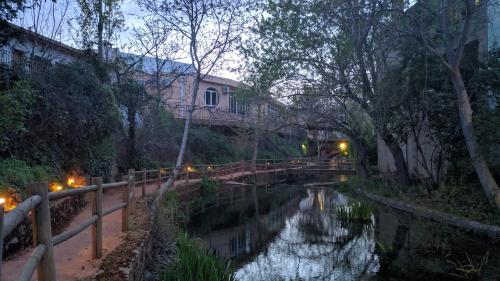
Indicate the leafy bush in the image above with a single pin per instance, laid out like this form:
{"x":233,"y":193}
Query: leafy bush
{"x":102,"y":159}
{"x":208,"y":146}
{"x":17,"y":174}
{"x":208,"y":186}
{"x":277,"y":147}
{"x":14,"y":106}
{"x":71,"y":112}
{"x":195,"y":264}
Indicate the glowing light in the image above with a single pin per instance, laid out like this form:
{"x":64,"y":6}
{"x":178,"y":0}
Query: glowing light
{"x":9,"y":203}
{"x":74,"y":180}
{"x":56,"y":187}
{"x":304,"y":148}
{"x":343,"y":146}
{"x":343,"y":178}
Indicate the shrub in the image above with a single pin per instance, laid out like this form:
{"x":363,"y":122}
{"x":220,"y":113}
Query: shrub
{"x":17,"y":174}
{"x":208,"y":186}
{"x":194,"y":264}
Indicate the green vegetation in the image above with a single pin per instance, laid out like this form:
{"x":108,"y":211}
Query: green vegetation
{"x":91,"y":127}
{"x":465,"y":201}
{"x":208,"y":186}
{"x":355,"y":211}
{"x":16,"y":174}
{"x":194,"y":264}
{"x":467,"y":269}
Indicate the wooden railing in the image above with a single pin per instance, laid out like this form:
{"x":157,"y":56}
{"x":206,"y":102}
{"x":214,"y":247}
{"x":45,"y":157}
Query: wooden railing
{"x":37,"y":205}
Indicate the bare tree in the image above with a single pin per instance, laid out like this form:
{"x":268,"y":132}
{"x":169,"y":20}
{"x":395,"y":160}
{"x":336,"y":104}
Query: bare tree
{"x":445,"y":29}
{"x":47,"y":18}
{"x":160,"y":49}
{"x":210,"y":28}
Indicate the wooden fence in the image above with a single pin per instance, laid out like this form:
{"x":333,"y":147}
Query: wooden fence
{"x":38,"y":205}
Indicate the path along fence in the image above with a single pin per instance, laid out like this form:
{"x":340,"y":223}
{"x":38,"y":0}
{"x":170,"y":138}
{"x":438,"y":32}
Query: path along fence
{"x":37,"y":206}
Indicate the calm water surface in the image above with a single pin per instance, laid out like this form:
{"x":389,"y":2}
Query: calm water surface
{"x":291,"y":233}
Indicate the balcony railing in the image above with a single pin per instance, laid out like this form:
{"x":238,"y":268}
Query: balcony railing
{"x":212,"y":113}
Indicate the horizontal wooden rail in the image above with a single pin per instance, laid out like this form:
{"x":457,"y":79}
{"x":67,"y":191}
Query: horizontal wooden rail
{"x":114,"y":184}
{"x":32,"y":262}
{"x":72,"y":232}
{"x":114,"y":209}
{"x":38,"y":203}
{"x":16,"y":216}
{"x":71,"y":192}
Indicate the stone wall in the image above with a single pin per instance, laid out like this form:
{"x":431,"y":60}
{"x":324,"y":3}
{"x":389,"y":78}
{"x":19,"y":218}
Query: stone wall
{"x":61,"y":213}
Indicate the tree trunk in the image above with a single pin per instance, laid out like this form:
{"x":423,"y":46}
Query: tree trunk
{"x":483,"y":172}
{"x":185,"y":134}
{"x":255,"y":153}
{"x":403,"y":176}
{"x":361,"y":159}
{"x":100,"y":28}
{"x":131,"y":139}
{"x":256,"y":139}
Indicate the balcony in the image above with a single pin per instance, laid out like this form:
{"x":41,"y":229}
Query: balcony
{"x":212,"y":115}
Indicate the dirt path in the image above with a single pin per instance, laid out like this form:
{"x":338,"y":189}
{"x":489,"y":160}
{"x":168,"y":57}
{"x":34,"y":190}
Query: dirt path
{"x":73,"y":257}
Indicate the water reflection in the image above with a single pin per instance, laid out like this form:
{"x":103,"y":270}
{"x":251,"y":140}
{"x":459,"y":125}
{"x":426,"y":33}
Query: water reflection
{"x":286,"y":233}
{"x":298,"y":240}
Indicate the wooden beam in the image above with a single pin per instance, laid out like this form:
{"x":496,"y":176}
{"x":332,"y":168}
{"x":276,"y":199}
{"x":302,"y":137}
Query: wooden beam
{"x":97,"y":226}
{"x":42,"y":232}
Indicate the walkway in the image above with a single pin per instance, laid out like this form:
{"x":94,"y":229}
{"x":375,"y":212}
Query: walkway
{"x":73,"y":257}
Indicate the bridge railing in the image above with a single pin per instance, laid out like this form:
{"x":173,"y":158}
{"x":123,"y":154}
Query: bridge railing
{"x":37,"y":206}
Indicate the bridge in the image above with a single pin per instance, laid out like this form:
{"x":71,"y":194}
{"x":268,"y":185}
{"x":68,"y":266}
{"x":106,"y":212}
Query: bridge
{"x":53,"y":259}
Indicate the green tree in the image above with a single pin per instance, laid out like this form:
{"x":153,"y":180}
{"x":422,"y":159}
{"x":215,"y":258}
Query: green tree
{"x":14,"y":107}
{"x":100,"y":22}
{"x":132,"y":99}
{"x":71,"y":112}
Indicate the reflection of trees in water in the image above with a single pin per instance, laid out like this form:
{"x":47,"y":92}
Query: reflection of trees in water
{"x":315,"y":246}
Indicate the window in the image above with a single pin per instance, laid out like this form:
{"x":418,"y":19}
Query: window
{"x":211,"y":97}
{"x":5,"y":57}
{"x":237,"y":106}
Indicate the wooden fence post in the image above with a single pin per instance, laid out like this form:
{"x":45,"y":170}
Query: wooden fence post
{"x":144,"y":177}
{"x":125,"y":199}
{"x":159,"y":179}
{"x":131,"y":173}
{"x":42,"y":232}
{"x":97,"y":226}
{"x":1,"y":239}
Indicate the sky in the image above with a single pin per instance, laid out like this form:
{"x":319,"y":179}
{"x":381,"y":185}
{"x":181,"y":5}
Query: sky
{"x":56,"y":20}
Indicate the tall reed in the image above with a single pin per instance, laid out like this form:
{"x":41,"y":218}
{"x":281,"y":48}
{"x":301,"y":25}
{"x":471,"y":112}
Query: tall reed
{"x":195,"y":264}
{"x":355,"y":211}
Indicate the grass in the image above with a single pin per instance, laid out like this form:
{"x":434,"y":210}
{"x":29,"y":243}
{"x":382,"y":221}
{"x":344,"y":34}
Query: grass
{"x":195,"y":264}
{"x":355,"y":211}
{"x":467,"y":269}
{"x":466,"y":201}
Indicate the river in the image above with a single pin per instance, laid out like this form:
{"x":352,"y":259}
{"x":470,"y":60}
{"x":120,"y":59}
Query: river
{"x":290,"y":232}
